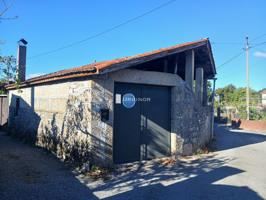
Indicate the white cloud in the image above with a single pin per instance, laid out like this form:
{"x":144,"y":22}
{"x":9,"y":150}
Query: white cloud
{"x":260,"y":54}
{"x":34,"y":75}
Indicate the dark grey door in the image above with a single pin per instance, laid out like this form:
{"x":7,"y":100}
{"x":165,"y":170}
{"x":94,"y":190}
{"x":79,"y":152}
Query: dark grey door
{"x":142,"y":127}
{"x":155,"y":120}
{"x":126,"y":126}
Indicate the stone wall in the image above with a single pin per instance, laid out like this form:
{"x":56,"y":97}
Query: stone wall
{"x":56,"y":117}
{"x":65,"y":117}
{"x":190,"y":121}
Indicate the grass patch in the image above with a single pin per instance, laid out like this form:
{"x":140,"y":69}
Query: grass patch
{"x":97,"y":172}
{"x":168,"y":161}
{"x":209,"y":148}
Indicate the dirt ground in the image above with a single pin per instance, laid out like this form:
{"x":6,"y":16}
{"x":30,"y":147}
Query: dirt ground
{"x":27,"y":172}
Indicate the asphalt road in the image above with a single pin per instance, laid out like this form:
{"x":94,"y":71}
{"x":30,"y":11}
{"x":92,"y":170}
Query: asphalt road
{"x":236,"y":170}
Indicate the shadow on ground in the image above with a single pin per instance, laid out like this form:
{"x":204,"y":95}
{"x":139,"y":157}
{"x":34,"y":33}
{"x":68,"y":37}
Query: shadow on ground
{"x":29,"y":173}
{"x":199,"y":187}
{"x":194,"y":179}
{"x":189,"y":179}
{"x":235,"y":138}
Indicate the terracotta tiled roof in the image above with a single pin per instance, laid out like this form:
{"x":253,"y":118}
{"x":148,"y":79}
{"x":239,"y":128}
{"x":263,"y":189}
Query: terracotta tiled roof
{"x":101,"y":67}
{"x":263,"y":92}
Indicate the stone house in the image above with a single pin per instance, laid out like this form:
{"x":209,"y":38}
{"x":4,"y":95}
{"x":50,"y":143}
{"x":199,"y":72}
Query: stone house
{"x":129,"y":109}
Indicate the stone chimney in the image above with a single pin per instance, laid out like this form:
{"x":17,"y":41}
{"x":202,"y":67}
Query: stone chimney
{"x":21,"y":60}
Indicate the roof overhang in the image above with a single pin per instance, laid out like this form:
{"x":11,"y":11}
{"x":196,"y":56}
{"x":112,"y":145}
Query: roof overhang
{"x":126,"y":62}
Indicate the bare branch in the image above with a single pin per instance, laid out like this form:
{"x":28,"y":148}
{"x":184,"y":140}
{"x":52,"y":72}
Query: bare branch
{"x":7,"y":7}
{"x":8,"y":18}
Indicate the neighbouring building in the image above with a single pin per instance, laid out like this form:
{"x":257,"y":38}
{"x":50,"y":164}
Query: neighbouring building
{"x":263,"y":98}
{"x":129,"y":109}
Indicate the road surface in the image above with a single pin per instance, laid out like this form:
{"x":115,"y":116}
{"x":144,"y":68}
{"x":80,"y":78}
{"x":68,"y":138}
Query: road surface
{"x":236,"y":170}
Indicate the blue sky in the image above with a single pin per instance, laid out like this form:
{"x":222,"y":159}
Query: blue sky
{"x":47,"y":25}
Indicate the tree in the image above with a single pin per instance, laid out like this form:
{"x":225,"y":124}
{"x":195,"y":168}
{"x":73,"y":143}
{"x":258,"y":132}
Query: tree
{"x":236,"y":98}
{"x":7,"y":71}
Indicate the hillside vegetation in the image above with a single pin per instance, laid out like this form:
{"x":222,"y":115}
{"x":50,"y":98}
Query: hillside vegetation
{"x":235,"y":98}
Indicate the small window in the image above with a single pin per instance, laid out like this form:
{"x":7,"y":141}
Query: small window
{"x":17,"y":106}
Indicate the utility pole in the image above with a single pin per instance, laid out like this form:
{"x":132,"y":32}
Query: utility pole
{"x":247,"y":77}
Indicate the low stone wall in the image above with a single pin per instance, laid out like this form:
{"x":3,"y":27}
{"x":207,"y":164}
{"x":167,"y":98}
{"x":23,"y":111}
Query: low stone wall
{"x":257,"y":126}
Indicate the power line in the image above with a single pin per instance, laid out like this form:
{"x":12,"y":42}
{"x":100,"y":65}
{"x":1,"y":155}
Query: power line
{"x":258,"y":37}
{"x":104,"y":31}
{"x":226,"y":43}
{"x":240,"y":53}
{"x":259,"y":44}
{"x":231,"y":59}
{"x":260,"y":49}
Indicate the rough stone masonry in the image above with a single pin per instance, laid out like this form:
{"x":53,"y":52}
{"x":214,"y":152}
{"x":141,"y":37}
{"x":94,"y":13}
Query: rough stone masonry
{"x":64,"y":118}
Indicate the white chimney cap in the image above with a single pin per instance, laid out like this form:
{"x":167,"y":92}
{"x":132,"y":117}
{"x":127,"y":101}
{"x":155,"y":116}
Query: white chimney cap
{"x":22,"y":42}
